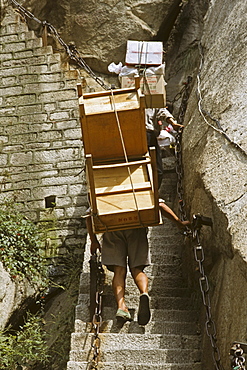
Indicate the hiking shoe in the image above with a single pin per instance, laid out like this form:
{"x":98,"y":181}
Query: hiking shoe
{"x":123,"y":315}
{"x":144,"y":310}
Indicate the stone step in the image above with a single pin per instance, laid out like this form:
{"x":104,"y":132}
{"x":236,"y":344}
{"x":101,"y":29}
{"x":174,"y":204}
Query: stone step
{"x":154,"y":290}
{"x":168,"y":303}
{"x":170,"y":259}
{"x":147,"y":356}
{"x":122,"y":366}
{"x":163,"y":271}
{"x":135,"y":341}
{"x":159,"y":274}
{"x":153,"y":327}
{"x":171,"y":323}
{"x":166,"y":239}
{"x":182,"y":316}
{"x":168,"y":286}
{"x":168,"y":277}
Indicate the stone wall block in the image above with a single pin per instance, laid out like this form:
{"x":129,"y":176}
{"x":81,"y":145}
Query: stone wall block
{"x":15,"y":28}
{"x":11,"y":90}
{"x":72,"y":133}
{"x":43,"y":68}
{"x":5,"y":39}
{"x":42,"y":86}
{"x":23,"y":54}
{"x":15,"y":71}
{"x":50,"y":77}
{"x":20,"y":99}
{"x":42,"y":192}
{"x":56,"y":67}
{"x":36,"y":45}
{"x":21,"y":159}
{"x":14,"y":47}
{"x":6,"y":56}
{"x":53,"y":156}
{"x":3,"y":159}
{"x":56,"y":95}
{"x":25,"y":138}
{"x":27,"y":36}
{"x":59,"y":116}
{"x":9,"y":81}
{"x":28,"y":109}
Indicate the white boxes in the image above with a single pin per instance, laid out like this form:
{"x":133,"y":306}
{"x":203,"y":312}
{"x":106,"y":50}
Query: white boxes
{"x":153,"y":87}
{"x":144,"y":52}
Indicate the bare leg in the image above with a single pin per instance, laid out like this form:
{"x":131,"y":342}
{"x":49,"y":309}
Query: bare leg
{"x":140,"y":279}
{"x":168,"y":213}
{"x":118,"y":285}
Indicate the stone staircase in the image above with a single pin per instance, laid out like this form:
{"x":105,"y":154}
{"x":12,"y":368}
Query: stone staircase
{"x":171,"y":340}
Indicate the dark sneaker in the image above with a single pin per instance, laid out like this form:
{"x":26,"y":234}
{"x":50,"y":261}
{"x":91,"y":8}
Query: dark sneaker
{"x":123,"y":315}
{"x":144,"y":309}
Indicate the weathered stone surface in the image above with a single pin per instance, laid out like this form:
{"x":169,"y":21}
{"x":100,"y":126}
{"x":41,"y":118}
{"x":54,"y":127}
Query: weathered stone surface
{"x":12,"y":294}
{"x":100,"y":29}
{"x":215,"y":170}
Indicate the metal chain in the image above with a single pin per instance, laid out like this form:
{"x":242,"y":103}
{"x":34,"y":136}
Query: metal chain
{"x":97,"y":318}
{"x":204,"y":287}
{"x":71,"y":50}
{"x":196,"y":226}
{"x":237,"y":358}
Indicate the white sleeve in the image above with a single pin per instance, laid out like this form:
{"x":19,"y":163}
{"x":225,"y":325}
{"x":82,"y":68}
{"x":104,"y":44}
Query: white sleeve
{"x":164,"y":113}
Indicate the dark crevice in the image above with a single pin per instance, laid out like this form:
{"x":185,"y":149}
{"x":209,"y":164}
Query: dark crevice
{"x":168,"y":22}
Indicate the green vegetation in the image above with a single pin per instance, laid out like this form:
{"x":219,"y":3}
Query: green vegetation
{"x":20,"y":243}
{"x":26,"y":347}
{"x":42,"y":343}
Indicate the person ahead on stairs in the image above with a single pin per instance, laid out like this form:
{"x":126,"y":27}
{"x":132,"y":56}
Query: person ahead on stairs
{"x":153,"y":122}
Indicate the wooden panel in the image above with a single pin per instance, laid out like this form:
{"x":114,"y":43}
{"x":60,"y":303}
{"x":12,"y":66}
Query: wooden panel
{"x":126,"y":220}
{"x":123,"y":199}
{"x":116,"y":203}
{"x":104,"y":116}
{"x":123,"y":188}
{"x":118,"y":176}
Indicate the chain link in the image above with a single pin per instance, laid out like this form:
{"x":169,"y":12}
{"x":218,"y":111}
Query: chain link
{"x":71,"y":50}
{"x":96,"y":265}
{"x":196,"y":226}
{"x":205,"y":291}
{"x":237,"y":358}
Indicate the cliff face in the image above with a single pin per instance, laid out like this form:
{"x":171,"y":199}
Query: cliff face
{"x":215,"y":165}
{"x":208,"y":42}
{"x":100,"y":28}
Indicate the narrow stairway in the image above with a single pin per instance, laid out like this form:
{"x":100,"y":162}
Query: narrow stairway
{"x":171,"y":340}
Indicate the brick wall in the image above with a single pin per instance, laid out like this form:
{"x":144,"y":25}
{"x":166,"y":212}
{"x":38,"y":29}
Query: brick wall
{"x":41,"y":157}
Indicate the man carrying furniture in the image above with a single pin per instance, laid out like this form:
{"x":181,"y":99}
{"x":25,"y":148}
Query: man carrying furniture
{"x":129,"y":248}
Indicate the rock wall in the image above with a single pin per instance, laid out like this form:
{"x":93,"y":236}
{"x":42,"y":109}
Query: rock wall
{"x":12,"y":295}
{"x":100,"y":28}
{"x":215,"y":165}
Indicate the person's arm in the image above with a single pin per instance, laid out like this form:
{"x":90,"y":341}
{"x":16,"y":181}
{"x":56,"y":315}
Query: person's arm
{"x":94,"y":241}
{"x":174,"y":123}
{"x":168,"y":213}
{"x":164,"y":113}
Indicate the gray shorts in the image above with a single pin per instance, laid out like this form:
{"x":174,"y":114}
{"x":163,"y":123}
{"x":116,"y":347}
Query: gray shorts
{"x":123,"y":247}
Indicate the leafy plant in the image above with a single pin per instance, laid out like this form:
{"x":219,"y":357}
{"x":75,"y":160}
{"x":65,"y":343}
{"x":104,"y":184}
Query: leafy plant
{"x":20,"y":243}
{"x":26,"y":347}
